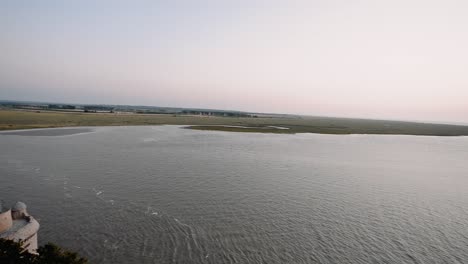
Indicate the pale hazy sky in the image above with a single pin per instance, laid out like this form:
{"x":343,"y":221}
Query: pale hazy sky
{"x":398,"y":59}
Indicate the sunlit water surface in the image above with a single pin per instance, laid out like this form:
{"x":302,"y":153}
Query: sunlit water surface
{"x":169,"y":195}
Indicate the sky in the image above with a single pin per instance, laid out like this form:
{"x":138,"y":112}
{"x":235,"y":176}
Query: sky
{"x":399,"y":59}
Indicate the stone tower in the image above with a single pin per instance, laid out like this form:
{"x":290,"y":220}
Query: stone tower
{"x":17,"y":225}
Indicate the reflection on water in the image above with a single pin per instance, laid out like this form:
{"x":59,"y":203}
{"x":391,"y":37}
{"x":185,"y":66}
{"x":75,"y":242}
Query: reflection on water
{"x":170,"y":195}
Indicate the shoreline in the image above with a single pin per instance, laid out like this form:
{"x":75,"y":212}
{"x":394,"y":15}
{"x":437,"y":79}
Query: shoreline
{"x":11,"y":120}
{"x":213,"y":128}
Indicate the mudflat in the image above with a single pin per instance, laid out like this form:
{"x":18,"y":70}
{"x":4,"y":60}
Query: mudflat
{"x":13,"y":120}
{"x":49,"y":132}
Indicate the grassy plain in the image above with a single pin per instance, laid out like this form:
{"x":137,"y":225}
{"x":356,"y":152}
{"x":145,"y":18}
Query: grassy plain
{"x":12,"y":119}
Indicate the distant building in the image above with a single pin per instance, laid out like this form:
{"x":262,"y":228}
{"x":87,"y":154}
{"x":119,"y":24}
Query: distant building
{"x":215,"y":113}
{"x":55,"y":106}
{"x":17,"y":225}
{"x":97,"y":108}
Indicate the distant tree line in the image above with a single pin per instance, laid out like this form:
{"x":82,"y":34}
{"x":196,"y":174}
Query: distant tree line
{"x":159,"y":112}
{"x":96,"y":108}
{"x":55,"y":106}
{"x":215,"y":113}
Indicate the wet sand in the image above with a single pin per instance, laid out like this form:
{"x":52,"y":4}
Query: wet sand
{"x":49,"y":132}
{"x":14,"y":120}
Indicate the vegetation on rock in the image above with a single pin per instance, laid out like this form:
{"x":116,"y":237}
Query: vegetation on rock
{"x":13,"y":253}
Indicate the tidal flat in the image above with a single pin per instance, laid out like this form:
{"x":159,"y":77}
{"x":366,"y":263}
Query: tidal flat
{"x":49,"y":132}
{"x":14,"y":120}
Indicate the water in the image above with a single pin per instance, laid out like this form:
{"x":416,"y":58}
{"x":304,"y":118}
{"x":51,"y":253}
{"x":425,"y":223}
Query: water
{"x":169,"y":195}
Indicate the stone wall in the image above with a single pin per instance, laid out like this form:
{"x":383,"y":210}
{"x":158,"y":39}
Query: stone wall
{"x":5,"y":221}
